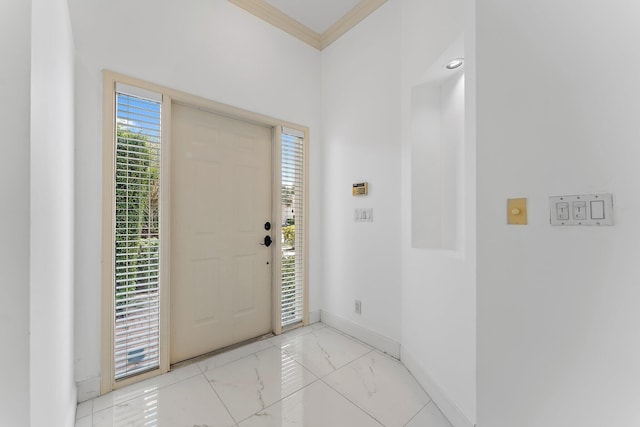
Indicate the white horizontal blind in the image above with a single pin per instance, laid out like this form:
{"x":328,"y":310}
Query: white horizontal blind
{"x":137,"y":235}
{"x":293,"y":226}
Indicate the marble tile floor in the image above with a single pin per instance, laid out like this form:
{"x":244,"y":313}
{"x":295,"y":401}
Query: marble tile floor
{"x":312,"y":377}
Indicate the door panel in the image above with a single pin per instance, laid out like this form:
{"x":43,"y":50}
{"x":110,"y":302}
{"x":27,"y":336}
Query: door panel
{"x":221,"y":198}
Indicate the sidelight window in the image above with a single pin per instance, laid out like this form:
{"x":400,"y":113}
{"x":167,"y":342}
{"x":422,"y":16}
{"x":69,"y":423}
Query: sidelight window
{"x":136,"y":275}
{"x":293,"y":227}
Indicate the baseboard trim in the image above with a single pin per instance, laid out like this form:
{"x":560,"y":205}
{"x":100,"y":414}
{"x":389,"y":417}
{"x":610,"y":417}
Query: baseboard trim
{"x":88,"y":389}
{"x":455,"y":416}
{"x":314,"y":316}
{"x":367,"y":336}
{"x":73,"y":406}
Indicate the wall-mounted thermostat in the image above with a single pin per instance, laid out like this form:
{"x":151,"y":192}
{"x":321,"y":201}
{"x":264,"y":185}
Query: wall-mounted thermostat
{"x":360,"y":189}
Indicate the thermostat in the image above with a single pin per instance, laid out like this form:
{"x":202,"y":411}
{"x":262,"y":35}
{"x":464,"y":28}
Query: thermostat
{"x":360,"y":189}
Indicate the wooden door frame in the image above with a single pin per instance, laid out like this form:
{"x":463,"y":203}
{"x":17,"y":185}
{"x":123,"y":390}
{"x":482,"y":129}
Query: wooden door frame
{"x":170,"y":96}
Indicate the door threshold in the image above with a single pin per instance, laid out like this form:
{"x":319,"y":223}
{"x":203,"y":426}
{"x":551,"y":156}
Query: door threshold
{"x":219,"y":351}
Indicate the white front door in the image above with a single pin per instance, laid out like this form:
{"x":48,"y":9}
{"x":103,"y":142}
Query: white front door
{"x":221,"y":200}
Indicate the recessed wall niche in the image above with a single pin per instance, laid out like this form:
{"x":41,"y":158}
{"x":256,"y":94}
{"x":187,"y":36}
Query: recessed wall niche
{"x":437,"y":135}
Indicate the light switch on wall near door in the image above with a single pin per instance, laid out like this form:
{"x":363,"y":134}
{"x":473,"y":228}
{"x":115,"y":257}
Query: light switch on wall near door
{"x":583,"y":209}
{"x":517,"y":211}
{"x":363,"y":215}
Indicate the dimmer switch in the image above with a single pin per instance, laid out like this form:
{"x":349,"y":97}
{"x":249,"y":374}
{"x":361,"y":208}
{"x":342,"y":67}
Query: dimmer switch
{"x":517,"y":211}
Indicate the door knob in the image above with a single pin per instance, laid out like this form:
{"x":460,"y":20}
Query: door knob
{"x":267,"y":241}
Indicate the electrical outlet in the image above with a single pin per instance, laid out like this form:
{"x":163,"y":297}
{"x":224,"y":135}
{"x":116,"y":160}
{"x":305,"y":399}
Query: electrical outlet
{"x":358,"y":307}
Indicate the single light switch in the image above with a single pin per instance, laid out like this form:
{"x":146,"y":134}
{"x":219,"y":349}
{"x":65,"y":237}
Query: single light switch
{"x":597,"y":209}
{"x":517,"y":211}
{"x":562,"y":211}
{"x":580,"y":210}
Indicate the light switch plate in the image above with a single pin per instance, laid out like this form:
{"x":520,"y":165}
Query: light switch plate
{"x":583,"y":209}
{"x":517,"y":211}
{"x":363,"y":215}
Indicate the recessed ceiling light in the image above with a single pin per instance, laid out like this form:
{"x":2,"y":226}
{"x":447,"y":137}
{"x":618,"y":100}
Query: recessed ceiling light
{"x":456,"y":63}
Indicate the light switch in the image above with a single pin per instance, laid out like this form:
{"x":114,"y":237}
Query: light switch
{"x":517,"y":211}
{"x":562,"y":211}
{"x":363,"y":215}
{"x":597,"y":209}
{"x":580,"y":210}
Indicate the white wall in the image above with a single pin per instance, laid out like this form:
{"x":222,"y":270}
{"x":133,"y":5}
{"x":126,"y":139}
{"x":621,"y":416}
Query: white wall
{"x":361,"y":142}
{"x":438,"y":286}
{"x":206,"y":47}
{"x":15,"y":40}
{"x":437,"y":134}
{"x":52,"y":146}
{"x":558,"y":104}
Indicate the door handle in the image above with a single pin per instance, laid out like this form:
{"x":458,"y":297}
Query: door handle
{"x":267,"y":241}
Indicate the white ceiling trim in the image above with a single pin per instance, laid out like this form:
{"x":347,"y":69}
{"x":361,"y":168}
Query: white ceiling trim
{"x":350,"y":20}
{"x":276,"y":17}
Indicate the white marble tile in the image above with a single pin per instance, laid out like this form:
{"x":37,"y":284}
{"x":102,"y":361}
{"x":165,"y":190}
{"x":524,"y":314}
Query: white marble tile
{"x":317,"y":405}
{"x":381,"y":386}
{"x":233,"y":355}
{"x":323,"y":351}
{"x":429,"y":416}
{"x":255,"y":382}
{"x":141,"y":388}
{"x":84,"y":409}
{"x":84,"y":421}
{"x":279,"y":340}
{"x":187,"y":403}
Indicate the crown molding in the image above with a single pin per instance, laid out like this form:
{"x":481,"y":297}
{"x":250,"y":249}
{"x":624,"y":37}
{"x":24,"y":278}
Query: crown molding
{"x":279,"y":19}
{"x":350,"y":20}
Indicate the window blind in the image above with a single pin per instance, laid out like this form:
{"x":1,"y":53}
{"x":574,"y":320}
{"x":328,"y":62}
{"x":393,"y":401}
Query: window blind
{"x":293,"y":226}
{"x":137,"y":234}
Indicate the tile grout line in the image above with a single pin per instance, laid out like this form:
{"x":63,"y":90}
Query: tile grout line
{"x":342,"y":395}
{"x":291,"y":356}
{"x":347,"y":364}
{"x":419,"y":410}
{"x":351,"y":401}
{"x":392,"y":359}
{"x":220,"y":399}
{"x":237,"y":422}
{"x":114,"y":404}
{"x":280,"y":400}
{"x":316,"y":378}
{"x":272,"y":345}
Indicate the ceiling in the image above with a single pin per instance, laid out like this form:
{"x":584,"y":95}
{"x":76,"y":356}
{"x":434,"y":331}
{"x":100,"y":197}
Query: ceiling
{"x":316,"y":22}
{"x":318,"y":15}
